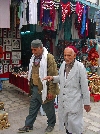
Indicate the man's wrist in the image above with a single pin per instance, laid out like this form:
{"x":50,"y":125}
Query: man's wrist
{"x":52,"y":78}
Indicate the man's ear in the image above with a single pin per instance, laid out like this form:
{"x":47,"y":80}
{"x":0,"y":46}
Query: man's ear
{"x":75,"y":55}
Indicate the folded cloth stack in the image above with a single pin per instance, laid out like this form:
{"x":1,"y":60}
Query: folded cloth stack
{"x":3,"y":117}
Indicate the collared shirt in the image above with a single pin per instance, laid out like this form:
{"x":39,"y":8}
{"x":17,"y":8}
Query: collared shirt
{"x":68,"y":67}
{"x":37,"y":60}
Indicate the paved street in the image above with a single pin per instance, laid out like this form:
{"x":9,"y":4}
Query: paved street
{"x":17,"y":105}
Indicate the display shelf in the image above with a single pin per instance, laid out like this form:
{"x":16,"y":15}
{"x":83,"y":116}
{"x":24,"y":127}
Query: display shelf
{"x":4,"y":75}
{"x":20,"y":82}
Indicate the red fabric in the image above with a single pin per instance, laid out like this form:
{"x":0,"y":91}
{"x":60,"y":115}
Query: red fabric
{"x":66,"y":10}
{"x":74,"y":48}
{"x":79,"y":11}
{"x":96,"y":97}
{"x":84,"y":49}
{"x":52,"y":15}
{"x":19,"y":82}
{"x":78,"y":27}
{"x":44,"y":5}
{"x":4,"y":75}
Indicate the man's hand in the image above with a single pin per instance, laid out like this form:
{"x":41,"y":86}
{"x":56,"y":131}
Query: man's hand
{"x":87,"y":108}
{"x":28,"y":83}
{"x":50,"y":96}
{"x":48,"y":78}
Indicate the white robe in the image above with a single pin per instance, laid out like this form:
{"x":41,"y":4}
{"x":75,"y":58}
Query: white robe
{"x":73,"y":94}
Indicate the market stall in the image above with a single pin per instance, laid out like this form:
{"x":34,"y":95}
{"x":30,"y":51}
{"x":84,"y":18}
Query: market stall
{"x":58,"y":23}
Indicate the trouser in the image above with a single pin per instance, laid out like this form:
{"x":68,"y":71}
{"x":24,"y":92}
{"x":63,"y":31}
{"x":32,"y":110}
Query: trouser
{"x":35,"y":105}
{"x":67,"y":132}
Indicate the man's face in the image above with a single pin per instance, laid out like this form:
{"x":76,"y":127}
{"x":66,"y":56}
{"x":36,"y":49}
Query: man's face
{"x":37,"y":51}
{"x":69,"y":55}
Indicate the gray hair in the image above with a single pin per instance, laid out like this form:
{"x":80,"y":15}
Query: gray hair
{"x":36,"y":43}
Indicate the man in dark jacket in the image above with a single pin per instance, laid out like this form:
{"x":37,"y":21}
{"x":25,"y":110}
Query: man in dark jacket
{"x":41,"y":64}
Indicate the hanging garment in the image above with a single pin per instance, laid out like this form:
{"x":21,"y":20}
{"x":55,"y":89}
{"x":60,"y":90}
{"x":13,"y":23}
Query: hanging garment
{"x":56,"y":20}
{"x":61,"y":34}
{"x":97,"y":20}
{"x":83,"y":21}
{"x":23,"y":6}
{"x":74,"y":32}
{"x":33,"y":11}
{"x":66,"y":10}
{"x":56,"y":3}
{"x":67,"y":28}
{"x":91,"y":29}
{"x":79,"y":11}
{"x":47,"y":15}
{"x":4,"y":13}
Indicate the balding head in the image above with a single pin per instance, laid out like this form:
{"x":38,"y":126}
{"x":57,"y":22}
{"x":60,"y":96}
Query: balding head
{"x":70,"y":50}
{"x":69,"y":55}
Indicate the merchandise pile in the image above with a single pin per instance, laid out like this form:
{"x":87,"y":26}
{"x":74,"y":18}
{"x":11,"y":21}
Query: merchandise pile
{"x":94,"y":83}
{"x":20,"y":71}
{"x":3,"y":117}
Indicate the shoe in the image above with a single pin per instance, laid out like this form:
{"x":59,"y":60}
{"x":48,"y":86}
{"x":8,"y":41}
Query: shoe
{"x":68,"y":132}
{"x":25,"y":129}
{"x":49,"y":129}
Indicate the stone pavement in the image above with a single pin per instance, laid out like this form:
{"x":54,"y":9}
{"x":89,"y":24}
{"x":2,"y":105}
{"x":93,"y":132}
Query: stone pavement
{"x":17,"y":106}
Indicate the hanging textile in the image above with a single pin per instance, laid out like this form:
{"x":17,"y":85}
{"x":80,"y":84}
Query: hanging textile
{"x":91,"y":29}
{"x":12,"y":18}
{"x":56,"y":3}
{"x":64,"y":1}
{"x":74,"y":32}
{"x":84,"y":21}
{"x":56,"y":20}
{"x":33,"y":11}
{"x":48,"y":15}
{"x":87,"y":22}
{"x":47,"y":4}
{"x":4,"y":13}
{"x":79,"y":11}
{"x":73,"y":7}
{"x":97,"y":20}
{"x":66,"y":10}
{"x":67,"y":27}
{"x":78,"y":21}
{"x":22,"y":13}
{"x":61,"y":34}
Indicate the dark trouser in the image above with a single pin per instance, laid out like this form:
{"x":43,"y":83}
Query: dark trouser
{"x":67,"y":132}
{"x":35,"y":105}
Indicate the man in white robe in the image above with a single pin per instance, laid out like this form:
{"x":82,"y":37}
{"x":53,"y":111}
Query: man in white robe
{"x":74,"y":94}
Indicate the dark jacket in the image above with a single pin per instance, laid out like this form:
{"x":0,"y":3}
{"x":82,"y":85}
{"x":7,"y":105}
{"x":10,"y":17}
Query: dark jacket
{"x":52,"y":88}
